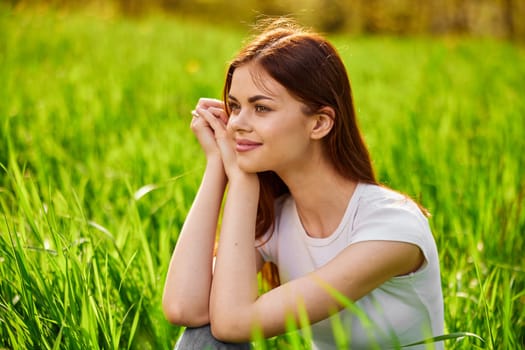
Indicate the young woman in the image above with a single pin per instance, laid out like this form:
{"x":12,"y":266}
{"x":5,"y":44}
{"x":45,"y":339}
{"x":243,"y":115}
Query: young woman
{"x":301,"y":194}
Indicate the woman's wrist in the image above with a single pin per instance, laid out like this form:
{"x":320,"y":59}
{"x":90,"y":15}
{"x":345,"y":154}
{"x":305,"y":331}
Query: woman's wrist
{"x":246,"y":181}
{"x":214,"y":166}
{"x":214,"y":160}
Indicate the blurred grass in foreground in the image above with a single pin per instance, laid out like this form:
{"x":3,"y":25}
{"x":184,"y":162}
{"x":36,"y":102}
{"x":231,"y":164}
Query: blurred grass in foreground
{"x":99,"y":169}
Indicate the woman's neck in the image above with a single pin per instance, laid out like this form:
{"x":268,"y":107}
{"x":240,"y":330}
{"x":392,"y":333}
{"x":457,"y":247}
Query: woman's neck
{"x":321,"y":196}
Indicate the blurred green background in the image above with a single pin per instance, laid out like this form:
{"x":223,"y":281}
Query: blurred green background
{"x":98,"y":167}
{"x":493,"y":18}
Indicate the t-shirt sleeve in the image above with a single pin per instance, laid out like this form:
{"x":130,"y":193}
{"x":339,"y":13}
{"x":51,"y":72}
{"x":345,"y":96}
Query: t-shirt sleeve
{"x":391,"y":219}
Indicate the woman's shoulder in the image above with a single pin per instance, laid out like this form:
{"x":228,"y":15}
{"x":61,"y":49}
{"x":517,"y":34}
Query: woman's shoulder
{"x":378,"y":197}
{"x":383,"y":212}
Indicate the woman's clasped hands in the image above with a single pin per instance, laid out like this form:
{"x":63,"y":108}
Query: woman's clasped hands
{"x":209,"y":124}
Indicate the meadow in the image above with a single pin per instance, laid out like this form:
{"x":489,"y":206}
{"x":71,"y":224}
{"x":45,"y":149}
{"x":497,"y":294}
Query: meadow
{"x":98,"y":168}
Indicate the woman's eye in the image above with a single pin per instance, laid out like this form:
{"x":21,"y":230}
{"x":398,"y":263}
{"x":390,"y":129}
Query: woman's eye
{"x":234,"y":107}
{"x":259,"y":108}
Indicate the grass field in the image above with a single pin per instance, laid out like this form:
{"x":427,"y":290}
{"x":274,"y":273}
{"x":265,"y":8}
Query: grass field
{"x":98,"y":168}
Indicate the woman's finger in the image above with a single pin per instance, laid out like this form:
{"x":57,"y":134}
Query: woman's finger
{"x":195,"y":114}
{"x":216,"y":123}
{"x":197,"y":121}
{"x":200,"y":125}
{"x":224,"y":142}
{"x":209,"y":102}
{"x":219,"y":113}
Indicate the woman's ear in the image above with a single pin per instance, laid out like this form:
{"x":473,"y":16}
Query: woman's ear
{"x":323,"y":121}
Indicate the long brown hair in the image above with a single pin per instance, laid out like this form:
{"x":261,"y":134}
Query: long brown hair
{"x":310,"y":68}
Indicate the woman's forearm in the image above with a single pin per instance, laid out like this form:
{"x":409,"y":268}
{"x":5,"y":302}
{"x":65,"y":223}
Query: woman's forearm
{"x":188,"y":282}
{"x":234,"y":286}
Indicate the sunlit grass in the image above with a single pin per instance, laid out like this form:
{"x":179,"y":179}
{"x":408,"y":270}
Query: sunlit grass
{"x":99,"y":169}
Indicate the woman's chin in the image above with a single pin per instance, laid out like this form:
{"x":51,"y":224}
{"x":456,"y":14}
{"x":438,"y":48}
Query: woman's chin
{"x":250,"y":167}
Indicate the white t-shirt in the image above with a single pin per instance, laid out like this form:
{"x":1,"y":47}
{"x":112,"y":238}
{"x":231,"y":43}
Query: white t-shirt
{"x":401,"y":311}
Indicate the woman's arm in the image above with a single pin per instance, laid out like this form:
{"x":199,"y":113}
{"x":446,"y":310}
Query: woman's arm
{"x":236,"y":264}
{"x":187,"y":288}
{"x":235,"y":308}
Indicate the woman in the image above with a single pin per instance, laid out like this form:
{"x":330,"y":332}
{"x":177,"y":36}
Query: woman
{"x":301,"y":194}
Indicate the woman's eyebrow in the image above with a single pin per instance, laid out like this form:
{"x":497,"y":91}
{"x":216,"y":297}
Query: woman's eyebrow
{"x":251,"y":99}
{"x":259,"y":97}
{"x":230,"y":97}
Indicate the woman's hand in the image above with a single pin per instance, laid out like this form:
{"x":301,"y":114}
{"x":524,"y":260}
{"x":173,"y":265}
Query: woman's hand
{"x":202,"y":128}
{"x":216,"y":121}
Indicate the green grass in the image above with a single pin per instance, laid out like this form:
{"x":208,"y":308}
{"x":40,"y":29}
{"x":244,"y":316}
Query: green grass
{"x":98,"y":168}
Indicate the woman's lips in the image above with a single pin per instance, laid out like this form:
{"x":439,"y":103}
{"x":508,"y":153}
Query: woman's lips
{"x":246,"y":145}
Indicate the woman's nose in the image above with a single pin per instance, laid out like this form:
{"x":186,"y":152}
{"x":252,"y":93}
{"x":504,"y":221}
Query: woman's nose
{"x":239,"y":121}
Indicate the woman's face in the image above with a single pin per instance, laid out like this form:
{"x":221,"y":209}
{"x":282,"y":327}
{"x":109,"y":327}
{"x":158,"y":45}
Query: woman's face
{"x":269,"y":126}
